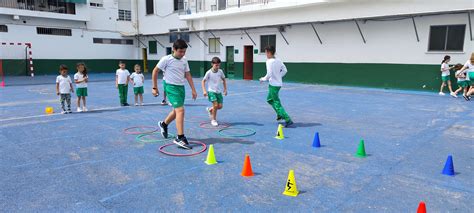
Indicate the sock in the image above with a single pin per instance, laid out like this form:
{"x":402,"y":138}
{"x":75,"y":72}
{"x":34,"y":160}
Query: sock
{"x":180,"y":136}
{"x":164,"y":124}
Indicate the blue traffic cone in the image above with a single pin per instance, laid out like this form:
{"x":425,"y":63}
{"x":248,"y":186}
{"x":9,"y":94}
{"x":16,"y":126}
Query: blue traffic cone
{"x":449,"y":167}
{"x":316,"y":142}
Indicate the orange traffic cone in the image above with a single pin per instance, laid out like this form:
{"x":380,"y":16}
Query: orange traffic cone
{"x":247,"y":170}
{"x":421,"y":207}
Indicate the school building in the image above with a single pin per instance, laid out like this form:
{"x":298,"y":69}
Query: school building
{"x":370,"y":43}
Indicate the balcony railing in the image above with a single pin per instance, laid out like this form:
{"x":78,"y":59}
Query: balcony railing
{"x":200,"y":6}
{"x":53,"y":6}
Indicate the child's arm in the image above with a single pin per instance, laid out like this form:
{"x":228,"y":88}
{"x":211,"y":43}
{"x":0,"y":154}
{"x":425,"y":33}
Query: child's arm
{"x":283,"y":70}
{"x":72,"y":88}
{"x":203,"y":85}
{"x":154,"y":83}
{"x":57,"y":88}
{"x":269,"y":73}
{"x":131,"y":81}
{"x":225,"y":86}
{"x":116,"y":81}
{"x":128,"y":80}
{"x":191,"y":84}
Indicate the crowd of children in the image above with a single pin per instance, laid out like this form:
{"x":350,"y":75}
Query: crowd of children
{"x":464,"y":75}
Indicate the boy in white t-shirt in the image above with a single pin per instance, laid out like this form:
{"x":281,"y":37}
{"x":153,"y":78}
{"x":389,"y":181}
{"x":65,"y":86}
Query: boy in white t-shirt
{"x":275,"y":72}
{"x":122,"y":77}
{"x":64,"y":89}
{"x":137,"y":79}
{"x":214,"y":77}
{"x":177,"y":71}
{"x":81,"y":78}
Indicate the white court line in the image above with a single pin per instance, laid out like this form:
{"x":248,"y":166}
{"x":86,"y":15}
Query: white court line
{"x":152,"y":103}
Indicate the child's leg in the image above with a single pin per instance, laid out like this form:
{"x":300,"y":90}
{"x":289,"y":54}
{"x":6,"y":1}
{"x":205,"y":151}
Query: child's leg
{"x":458,"y":90}
{"x":84,"y":101}
{"x":179,"y":120}
{"x":125,"y":94}
{"x":141,"y":98}
{"x":449,"y":86}
{"x":442,"y":86}
{"x":170,"y":118}
{"x":270,"y":100}
{"x":136,"y":98}
{"x":215,"y":107}
{"x":121,"y":88}
{"x":62,"y":99}
{"x":78,"y":101}
{"x":68,"y":101}
{"x":277,"y":105}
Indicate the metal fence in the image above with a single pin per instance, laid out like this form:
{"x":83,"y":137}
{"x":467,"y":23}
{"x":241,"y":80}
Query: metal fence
{"x":54,"y":6}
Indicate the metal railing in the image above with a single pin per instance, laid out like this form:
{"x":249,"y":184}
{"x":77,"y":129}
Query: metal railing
{"x":200,"y":6}
{"x":53,"y":6}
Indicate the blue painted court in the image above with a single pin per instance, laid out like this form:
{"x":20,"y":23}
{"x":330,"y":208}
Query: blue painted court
{"x":84,"y":161}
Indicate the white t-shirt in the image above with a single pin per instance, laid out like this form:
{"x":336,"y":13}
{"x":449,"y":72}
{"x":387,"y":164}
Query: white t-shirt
{"x":138,"y":79}
{"x":64,"y":84}
{"x":174,"y":69}
{"x":460,"y":79}
{"x":275,"y":72}
{"x":444,"y":69}
{"x":470,"y":69}
{"x":214,"y":80}
{"x":80,"y":77}
{"x":122,"y":75}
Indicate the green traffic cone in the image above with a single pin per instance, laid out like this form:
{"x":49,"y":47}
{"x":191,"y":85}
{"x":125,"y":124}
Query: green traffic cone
{"x":361,"y":150}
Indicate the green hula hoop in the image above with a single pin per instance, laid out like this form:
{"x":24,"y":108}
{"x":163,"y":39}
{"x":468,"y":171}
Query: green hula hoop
{"x":140,"y":138}
{"x":222,"y":133}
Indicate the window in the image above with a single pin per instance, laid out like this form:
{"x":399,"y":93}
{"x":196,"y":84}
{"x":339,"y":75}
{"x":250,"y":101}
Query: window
{"x":178,"y":5}
{"x":3,"y":28}
{"x":149,"y":7}
{"x":184,"y":34}
{"x":97,"y":3}
{"x":113,"y":41}
{"x":214,"y":45}
{"x":267,"y":40}
{"x":124,"y":15}
{"x":173,"y":35}
{"x":447,"y":38}
{"x":152,"y":48}
{"x":169,"y":50}
{"x":53,"y":31}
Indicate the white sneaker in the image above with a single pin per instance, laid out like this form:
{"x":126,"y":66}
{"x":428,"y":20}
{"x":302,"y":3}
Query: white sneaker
{"x":63,"y":112}
{"x":453,"y":94}
{"x":214,"y":123}
{"x":441,"y":93}
{"x":136,"y":104}
{"x":208,"y":109}
{"x":84,"y":109}
{"x":169,"y":104}
{"x":79,"y":109}
{"x":141,"y":104}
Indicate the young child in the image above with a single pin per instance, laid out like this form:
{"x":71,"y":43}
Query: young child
{"x":275,"y":72}
{"x":214,"y":77}
{"x":468,"y":69}
{"x":122,"y":77}
{"x":137,"y":79}
{"x":64,"y":89}
{"x":462,"y":83}
{"x":81,"y":79}
{"x":176,"y":69}
{"x":445,"y":76}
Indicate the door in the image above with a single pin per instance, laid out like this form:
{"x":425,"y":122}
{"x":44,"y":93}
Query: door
{"x":221,"y":4}
{"x":248,"y":62}
{"x":230,"y":64}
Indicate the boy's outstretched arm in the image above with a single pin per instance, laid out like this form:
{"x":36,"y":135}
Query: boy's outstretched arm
{"x":154,"y":83}
{"x":191,"y":84}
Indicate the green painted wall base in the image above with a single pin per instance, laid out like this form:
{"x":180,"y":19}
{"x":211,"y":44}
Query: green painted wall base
{"x":390,"y":76}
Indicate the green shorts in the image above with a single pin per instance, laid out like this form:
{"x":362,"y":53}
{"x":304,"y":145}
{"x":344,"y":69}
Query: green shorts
{"x":463,"y":83}
{"x":81,"y":92}
{"x":445,"y":78}
{"x":164,"y":87}
{"x":175,"y":94}
{"x":138,"y":90}
{"x":471,"y":76}
{"x":213,"y":96}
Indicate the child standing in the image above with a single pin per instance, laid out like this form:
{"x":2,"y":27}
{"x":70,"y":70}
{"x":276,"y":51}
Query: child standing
{"x":137,"y":79}
{"x":122,"y":77}
{"x":176,"y":69}
{"x":64,"y":89}
{"x":468,"y":68}
{"x":214,"y":77}
{"x":445,"y":76}
{"x":81,"y":79}
{"x":275,"y":72}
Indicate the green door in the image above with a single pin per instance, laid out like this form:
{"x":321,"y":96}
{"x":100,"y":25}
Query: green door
{"x":230,"y":64}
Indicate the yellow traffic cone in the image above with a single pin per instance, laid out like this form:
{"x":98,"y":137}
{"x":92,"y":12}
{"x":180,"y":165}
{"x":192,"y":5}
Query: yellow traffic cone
{"x":279,"y":134}
{"x":290,"y":187}
{"x":211,"y":158}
